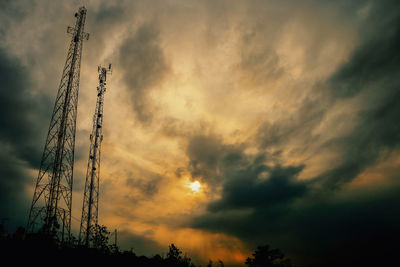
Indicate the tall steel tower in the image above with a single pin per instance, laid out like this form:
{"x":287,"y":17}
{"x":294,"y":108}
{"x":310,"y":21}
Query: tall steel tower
{"x":90,"y":209}
{"x":50,"y":211}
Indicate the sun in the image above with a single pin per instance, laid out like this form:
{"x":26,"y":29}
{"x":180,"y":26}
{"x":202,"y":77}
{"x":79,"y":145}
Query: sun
{"x":195,"y":186}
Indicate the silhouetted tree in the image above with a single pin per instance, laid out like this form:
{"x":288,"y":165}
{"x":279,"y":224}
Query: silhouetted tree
{"x":114,"y":249}
{"x":157,"y":258}
{"x":174,"y":253}
{"x":266,"y":257}
{"x":174,"y":258}
{"x":32,"y":244}
{"x":71,"y":242}
{"x":100,"y":238}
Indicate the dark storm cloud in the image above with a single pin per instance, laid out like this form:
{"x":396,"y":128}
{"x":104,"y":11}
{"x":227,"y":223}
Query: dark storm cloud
{"x":319,"y":233}
{"x":248,"y":182}
{"x":373,"y":72}
{"x":210,"y":158}
{"x":144,"y":65}
{"x":13,"y":201}
{"x":267,"y":204}
{"x":21,"y":113}
{"x":247,"y":188}
{"x":22,"y":126}
{"x":308,"y":219}
{"x":377,"y":57}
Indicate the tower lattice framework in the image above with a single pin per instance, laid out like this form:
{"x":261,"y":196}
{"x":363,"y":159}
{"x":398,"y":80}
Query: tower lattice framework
{"x":52,"y":199}
{"x":90,"y":209}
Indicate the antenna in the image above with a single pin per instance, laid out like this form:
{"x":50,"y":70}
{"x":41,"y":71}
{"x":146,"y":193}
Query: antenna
{"x":50,"y":210}
{"x":90,"y":208}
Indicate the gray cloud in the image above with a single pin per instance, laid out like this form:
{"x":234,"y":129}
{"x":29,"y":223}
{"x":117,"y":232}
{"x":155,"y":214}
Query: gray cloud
{"x":316,"y":222}
{"x":372,"y":73}
{"x":9,"y":10}
{"x":299,"y":126}
{"x":258,"y":60}
{"x":146,"y":188}
{"x":22,"y":120}
{"x":107,"y":14}
{"x":308,"y":219}
{"x":321,"y":232}
{"x":247,"y":188}
{"x":13,"y":201}
{"x":267,"y":204}
{"x":144,"y":65}
{"x":210,"y":158}
{"x":22,"y":114}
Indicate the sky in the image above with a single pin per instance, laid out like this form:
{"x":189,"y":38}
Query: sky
{"x":227,"y":124}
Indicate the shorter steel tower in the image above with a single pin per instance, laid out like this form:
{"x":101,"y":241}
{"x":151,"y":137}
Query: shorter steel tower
{"x":90,"y":209}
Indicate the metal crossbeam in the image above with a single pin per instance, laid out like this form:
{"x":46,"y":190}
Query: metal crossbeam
{"x":51,"y":206}
{"x":90,"y":209}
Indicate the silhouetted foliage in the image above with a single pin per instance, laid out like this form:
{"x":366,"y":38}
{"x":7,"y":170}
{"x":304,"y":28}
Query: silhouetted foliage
{"x":211,"y":263}
{"x":174,"y":258}
{"x":174,"y":253}
{"x":31,"y":246}
{"x":266,"y":257}
{"x":100,"y":238}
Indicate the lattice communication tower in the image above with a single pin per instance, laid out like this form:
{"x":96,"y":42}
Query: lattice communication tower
{"x":50,"y":212}
{"x":90,"y":210}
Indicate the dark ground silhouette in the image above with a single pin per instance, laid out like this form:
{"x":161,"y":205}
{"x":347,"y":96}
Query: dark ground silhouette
{"x":42,"y":249}
{"x":265,"y":257}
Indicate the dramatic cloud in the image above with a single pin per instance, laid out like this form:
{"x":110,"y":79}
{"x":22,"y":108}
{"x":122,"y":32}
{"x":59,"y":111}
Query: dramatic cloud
{"x":371,"y":75}
{"x":144,"y":187}
{"x":283,"y":113}
{"x":144,"y":65}
{"x":322,"y":220}
{"x":20,"y":136}
{"x":210,"y":159}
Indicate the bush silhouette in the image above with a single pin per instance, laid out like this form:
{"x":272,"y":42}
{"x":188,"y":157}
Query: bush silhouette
{"x":266,"y":257}
{"x":29,"y":246}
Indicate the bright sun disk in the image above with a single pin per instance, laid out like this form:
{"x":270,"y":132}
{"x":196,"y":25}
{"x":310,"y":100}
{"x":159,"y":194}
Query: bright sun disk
{"x":195,"y":186}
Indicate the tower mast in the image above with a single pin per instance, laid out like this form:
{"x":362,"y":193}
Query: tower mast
{"x":50,"y":211}
{"x":90,"y":210}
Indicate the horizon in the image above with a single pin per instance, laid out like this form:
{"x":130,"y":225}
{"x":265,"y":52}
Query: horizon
{"x":227,"y":124}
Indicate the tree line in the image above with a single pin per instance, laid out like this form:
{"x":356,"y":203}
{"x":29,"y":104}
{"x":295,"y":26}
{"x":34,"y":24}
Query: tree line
{"x":46,"y":250}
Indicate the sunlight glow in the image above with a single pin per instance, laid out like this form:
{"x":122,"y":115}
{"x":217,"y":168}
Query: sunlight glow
{"x":195,"y":186}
